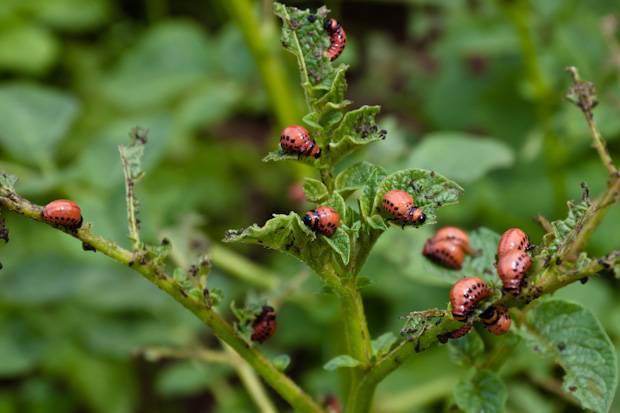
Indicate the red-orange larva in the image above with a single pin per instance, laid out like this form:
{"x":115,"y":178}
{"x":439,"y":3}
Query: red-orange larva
{"x":465,"y":294}
{"x":323,"y":219}
{"x":511,"y":239}
{"x":496,"y":319}
{"x":264,"y":325}
{"x":455,"y":235}
{"x":402,"y":207}
{"x":63,"y":212}
{"x":337,"y":38}
{"x":512,"y":267}
{"x":454,"y":334}
{"x":296,"y":139}
{"x":444,"y":252}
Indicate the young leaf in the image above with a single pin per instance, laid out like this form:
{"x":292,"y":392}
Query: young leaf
{"x":315,"y":190}
{"x":576,"y":340}
{"x":280,"y":155}
{"x":357,"y":128}
{"x":428,"y":189}
{"x":369,"y":191}
{"x":341,"y":362}
{"x":465,"y":350}
{"x":484,"y":393}
{"x":340,"y":243}
{"x":303,"y":35}
{"x":334,"y":99}
{"x":355,"y":177}
{"x":7,"y":183}
{"x":382,"y":344}
{"x":281,"y":362}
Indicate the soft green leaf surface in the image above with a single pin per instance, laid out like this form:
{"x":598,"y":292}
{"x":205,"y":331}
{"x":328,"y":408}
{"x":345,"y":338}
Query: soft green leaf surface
{"x":465,"y":350}
{"x":460,"y":156}
{"x":356,"y":176}
{"x":357,"y":128}
{"x":575,"y":339}
{"x":428,"y":189}
{"x":315,"y":190}
{"x":28,"y":48}
{"x":281,"y":362}
{"x":341,"y":361}
{"x":382,"y":344}
{"x":33,"y":120}
{"x":484,"y":393}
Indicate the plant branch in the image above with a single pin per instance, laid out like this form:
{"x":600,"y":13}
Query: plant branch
{"x":242,"y":268}
{"x":281,"y":383}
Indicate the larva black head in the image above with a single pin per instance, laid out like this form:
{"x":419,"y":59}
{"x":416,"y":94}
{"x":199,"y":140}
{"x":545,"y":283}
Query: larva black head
{"x":311,"y":18}
{"x":331,"y":25}
{"x":317,"y":154}
{"x":307,"y":219}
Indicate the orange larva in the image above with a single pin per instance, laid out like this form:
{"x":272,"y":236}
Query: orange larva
{"x":444,"y":252}
{"x":337,"y":38}
{"x":401,"y":206}
{"x":323,"y":219}
{"x":496,"y":319}
{"x":264,"y":325}
{"x":296,"y":139}
{"x":455,"y":235}
{"x":512,"y":267}
{"x":511,"y":239}
{"x":465,"y":294}
{"x":63,"y":212}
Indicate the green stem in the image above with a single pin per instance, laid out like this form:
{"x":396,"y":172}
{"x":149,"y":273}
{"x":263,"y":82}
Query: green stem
{"x":553,"y":150}
{"x":242,"y":268}
{"x":281,"y":383}
{"x":260,"y":39}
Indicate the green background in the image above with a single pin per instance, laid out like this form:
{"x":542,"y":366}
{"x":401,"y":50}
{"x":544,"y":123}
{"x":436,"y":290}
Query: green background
{"x":471,"y":89}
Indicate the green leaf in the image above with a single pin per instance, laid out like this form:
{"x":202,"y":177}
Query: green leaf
{"x":315,"y":190}
{"x":34,"y":120}
{"x":461,"y":156}
{"x":188,"y":377}
{"x":367,"y":197}
{"x":358,"y":128}
{"x":342,"y":361}
{"x":281,"y":362}
{"x":429,"y":190}
{"x":27,"y":48}
{"x":71,"y":15}
{"x":575,"y":339}
{"x":465,"y":350}
{"x":356,"y":177}
{"x":157,"y":70}
{"x":309,"y":42}
{"x":484,"y":393}
{"x":280,"y":155}
{"x":564,"y":231}
{"x":334,"y":99}
{"x":340,"y":243}
{"x":20,"y":349}
{"x":7,"y":183}
{"x":382,"y":344}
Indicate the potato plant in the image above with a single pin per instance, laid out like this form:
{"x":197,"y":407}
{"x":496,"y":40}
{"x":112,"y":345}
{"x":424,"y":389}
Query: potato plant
{"x":563,"y":331}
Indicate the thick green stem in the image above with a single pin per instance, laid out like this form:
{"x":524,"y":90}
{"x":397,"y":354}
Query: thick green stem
{"x":281,"y":383}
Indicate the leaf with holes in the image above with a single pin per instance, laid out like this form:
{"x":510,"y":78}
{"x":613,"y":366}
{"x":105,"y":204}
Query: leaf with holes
{"x":484,"y":393}
{"x":428,"y":189}
{"x":358,"y":128}
{"x":575,"y":339}
{"x":303,"y":35}
{"x":564,"y":231}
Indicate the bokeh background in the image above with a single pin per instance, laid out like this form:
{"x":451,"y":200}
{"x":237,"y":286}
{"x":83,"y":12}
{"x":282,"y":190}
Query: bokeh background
{"x":473,"y":89}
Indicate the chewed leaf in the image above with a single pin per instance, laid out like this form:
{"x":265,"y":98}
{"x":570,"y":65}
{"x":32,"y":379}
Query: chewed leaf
{"x":303,"y":35}
{"x":315,"y":190}
{"x":355,"y":177}
{"x":577,"y":342}
{"x":428,"y":189}
{"x":287,"y":233}
{"x":280,"y":155}
{"x":334,"y":98}
{"x":358,"y":128}
{"x":565,"y":230}
{"x":7,"y":183}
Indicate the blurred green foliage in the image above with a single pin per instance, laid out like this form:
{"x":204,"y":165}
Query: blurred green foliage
{"x":472,"y":89}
